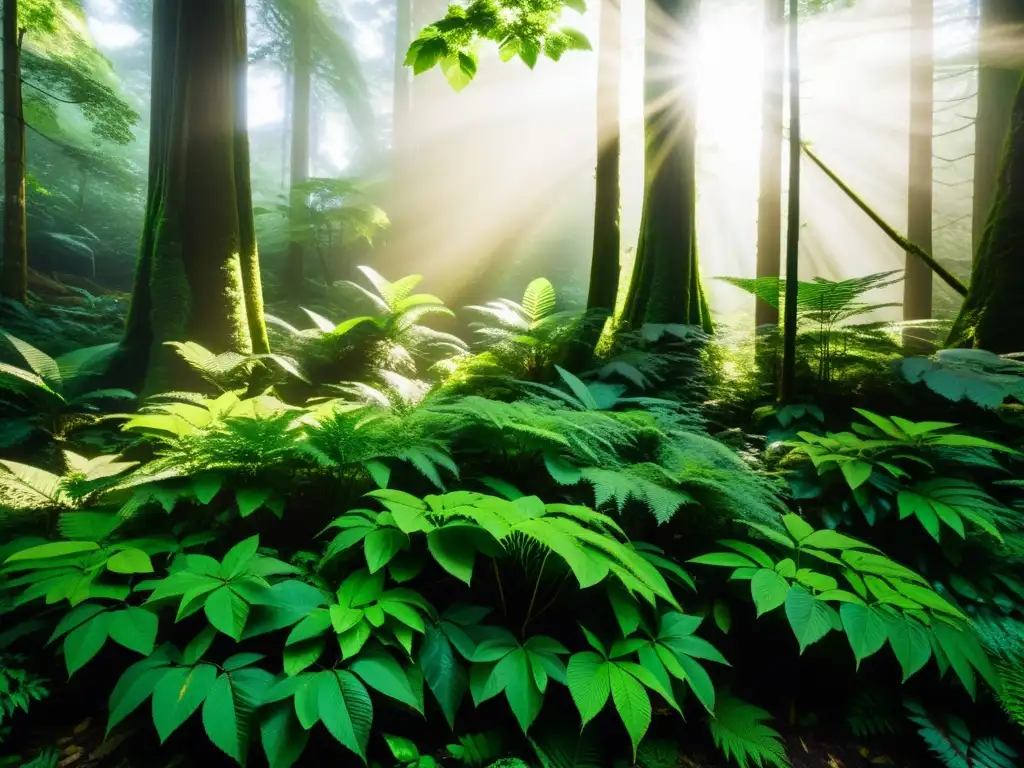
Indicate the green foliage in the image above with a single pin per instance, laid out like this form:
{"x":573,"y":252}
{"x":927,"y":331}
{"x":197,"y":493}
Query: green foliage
{"x":983,"y":378}
{"x":740,"y":733}
{"x":520,"y":29}
{"x":55,"y":387}
{"x":952,"y":743}
{"x":19,"y":687}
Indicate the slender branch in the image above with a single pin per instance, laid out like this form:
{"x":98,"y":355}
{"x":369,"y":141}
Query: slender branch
{"x":533,"y":597}
{"x":957,"y":99}
{"x":895,"y":236}
{"x":48,"y":94}
{"x":501,"y":589}
{"x":951,"y":222}
{"x":953,"y":159}
{"x":954,"y":183}
{"x":953,"y":130}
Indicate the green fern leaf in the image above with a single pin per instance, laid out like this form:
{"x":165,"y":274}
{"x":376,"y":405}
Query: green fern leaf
{"x":739,"y":732}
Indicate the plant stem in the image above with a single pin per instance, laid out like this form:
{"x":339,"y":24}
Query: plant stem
{"x":533,"y":597}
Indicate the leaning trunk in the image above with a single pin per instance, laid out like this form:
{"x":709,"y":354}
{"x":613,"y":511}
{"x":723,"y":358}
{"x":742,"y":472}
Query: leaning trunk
{"x":665,"y":287}
{"x":769,"y":204}
{"x":992,"y":315}
{"x":14,"y":279}
{"x":198,"y":274}
{"x":604,"y":265}
{"x":1002,"y":22}
{"x":917,"y":285}
{"x":294,"y":273}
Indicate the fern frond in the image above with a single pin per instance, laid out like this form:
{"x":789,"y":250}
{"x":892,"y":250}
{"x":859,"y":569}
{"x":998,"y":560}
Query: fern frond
{"x":740,"y":734}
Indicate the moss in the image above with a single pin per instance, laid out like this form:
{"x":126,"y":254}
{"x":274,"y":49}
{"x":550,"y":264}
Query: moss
{"x":992,"y":315}
{"x":198,"y":273}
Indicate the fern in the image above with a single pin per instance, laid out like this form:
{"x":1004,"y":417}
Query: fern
{"x":950,"y":740}
{"x":740,"y":734}
{"x":1011,"y":697}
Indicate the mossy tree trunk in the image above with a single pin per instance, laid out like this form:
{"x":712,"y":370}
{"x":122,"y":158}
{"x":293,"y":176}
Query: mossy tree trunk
{"x":198,"y":275}
{"x":917,"y":285}
{"x":769,"y":203}
{"x":604,"y":263}
{"x":14,"y":277}
{"x":998,"y":77}
{"x":301,"y":106}
{"x":665,"y":286}
{"x":992,"y":315}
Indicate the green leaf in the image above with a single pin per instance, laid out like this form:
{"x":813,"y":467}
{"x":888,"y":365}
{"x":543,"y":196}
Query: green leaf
{"x":631,"y":702}
{"x":132,"y":688}
{"x":250,"y":499}
{"x":575,"y":40}
{"x":178,"y":694}
{"x":826,"y":539}
{"x":380,"y":671}
{"x":83,"y":643}
{"x":130,"y":561}
{"x":402,"y":749}
{"x":230,"y":710}
{"x":726,"y":559}
{"x":625,"y":608}
{"x":809,"y":618}
{"x":199,"y":645}
{"x":445,"y":677}
{"x":798,"y":528}
{"x":856,"y":473}
{"x":589,"y":684}
{"x":301,"y":655}
{"x":769,"y":590}
{"x":756,"y":554}
{"x":723,"y":616}
{"x":133,"y":628}
{"x":909,"y":641}
{"x":865,"y":629}
{"x":227,"y":611}
{"x":345,"y":709}
{"x":459,"y":69}
{"x":381,"y":545}
{"x":284,"y":739}
{"x":53,"y":549}
{"x":454,"y":549}
{"x":238,"y":558}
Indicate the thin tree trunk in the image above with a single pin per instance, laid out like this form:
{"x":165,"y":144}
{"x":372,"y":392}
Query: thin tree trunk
{"x":665,"y":286}
{"x":787,"y":386}
{"x":998,"y":77}
{"x":992,"y":315}
{"x":286,"y":122}
{"x":402,"y":96}
{"x":198,"y":273}
{"x":294,"y":273}
{"x":769,"y":204}
{"x":604,"y":264}
{"x":14,"y":278}
{"x":917,"y":285}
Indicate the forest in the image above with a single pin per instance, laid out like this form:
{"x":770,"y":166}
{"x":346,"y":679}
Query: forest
{"x":512,"y":383}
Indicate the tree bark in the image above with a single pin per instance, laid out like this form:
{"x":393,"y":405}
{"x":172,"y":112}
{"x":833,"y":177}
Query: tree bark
{"x":198,"y":275}
{"x":917,"y":284}
{"x":992,"y":315}
{"x":787,"y":384}
{"x":604,"y":264}
{"x":294,"y":271}
{"x":665,"y":286}
{"x":769,"y":204}
{"x":14,"y":278}
{"x":998,"y":77}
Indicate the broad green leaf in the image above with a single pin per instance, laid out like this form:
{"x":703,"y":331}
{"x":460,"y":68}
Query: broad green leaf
{"x":345,"y":709}
{"x":250,"y":499}
{"x":238,"y":557}
{"x":134,"y":628}
{"x":402,"y":749}
{"x":756,"y":554}
{"x":809,"y":618}
{"x":856,"y":473}
{"x":381,"y":545}
{"x":53,"y":549}
{"x":284,"y":739}
{"x":178,"y":694}
{"x":132,"y":688}
{"x":130,"y":561}
{"x":625,"y":608}
{"x":227,"y":611}
{"x":631,"y":702}
{"x":826,"y":539}
{"x":230,"y":710}
{"x":798,"y":528}
{"x":454,"y":549}
{"x":379,"y":670}
{"x":768,"y":589}
{"x":524,"y":697}
{"x":445,"y":677}
{"x":301,"y":655}
{"x":589,"y":684}
{"x":864,"y":628}
{"x":699,"y":681}
{"x":199,"y":645}
{"x":83,"y":643}
{"x":727,"y":559}
{"x":909,"y":641}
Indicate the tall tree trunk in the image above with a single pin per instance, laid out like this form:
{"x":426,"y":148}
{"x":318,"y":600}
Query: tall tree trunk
{"x":787,"y":385}
{"x":14,"y":278}
{"x":665,"y":287}
{"x":769,"y":203}
{"x":604,"y":263}
{"x":302,"y":82}
{"x":917,"y":285}
{"x":992,"y":315}
{"x":998,"y":77}
{"x":198,"y":273}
